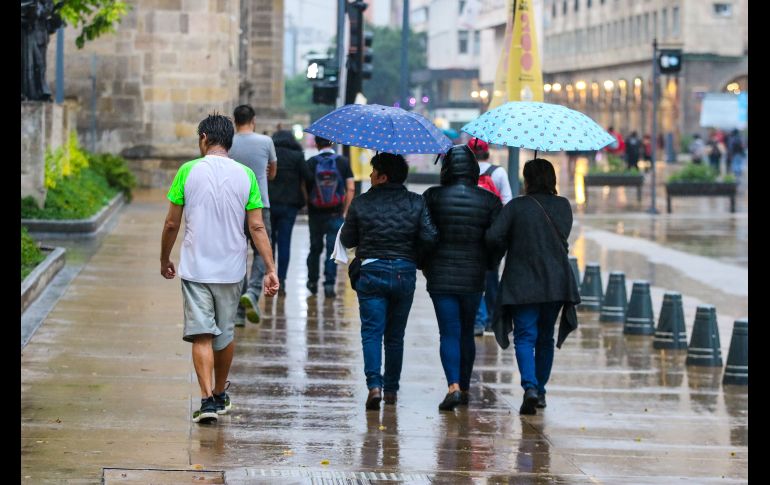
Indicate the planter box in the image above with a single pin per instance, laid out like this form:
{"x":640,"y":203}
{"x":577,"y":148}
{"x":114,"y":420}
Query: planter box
{"x":76,"y":226}
{"x":38,"y":279}
{"x":619,"y":180}
{"x":701,"y":189}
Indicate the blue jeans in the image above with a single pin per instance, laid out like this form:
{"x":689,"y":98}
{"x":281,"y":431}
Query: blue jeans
{"x":455,"y":315}
{"x":322,"y":227}
{"x":385,"y":291}
{"x":282,"y":219}
{"x":533,"y":326}
{"x":487,"y":304}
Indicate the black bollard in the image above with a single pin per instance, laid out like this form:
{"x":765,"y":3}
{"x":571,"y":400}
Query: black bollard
{"x":591,"y":289}
{"x":575,"y":270}
{"x":639,"y":317}
{"x":737,"y":368}
{"x":671,"y":332}
{"x":704,"y":349}
{"x":614,"y":302}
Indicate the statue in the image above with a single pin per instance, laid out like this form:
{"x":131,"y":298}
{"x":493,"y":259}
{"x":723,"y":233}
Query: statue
{"x":39,"y":19}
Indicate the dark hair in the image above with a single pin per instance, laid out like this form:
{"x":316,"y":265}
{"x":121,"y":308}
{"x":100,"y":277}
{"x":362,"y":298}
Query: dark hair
{"x":243,"y":114}
{"x":218,"y":129}
{"x":285,"y":139}
{"x":394,"y":166}
{"x":539,"y":177}
{"x":322,"y":142}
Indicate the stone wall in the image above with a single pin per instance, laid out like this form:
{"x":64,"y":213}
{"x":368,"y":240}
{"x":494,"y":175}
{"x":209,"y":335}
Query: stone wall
{"x":168,"y":65}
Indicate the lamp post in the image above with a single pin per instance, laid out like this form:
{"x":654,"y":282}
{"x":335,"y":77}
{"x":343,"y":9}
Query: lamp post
{"x":654,"y":139}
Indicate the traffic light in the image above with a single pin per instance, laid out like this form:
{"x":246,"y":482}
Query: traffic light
{"x":670,"y":61}
{"x":323,"y":74}
{"x":325,"y":93}
{"x":355,"y":64}
{"x":368,"y":55}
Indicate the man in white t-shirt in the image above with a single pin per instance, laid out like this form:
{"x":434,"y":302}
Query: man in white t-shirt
{"x":257,"y":152}
{"x":499,"y":178}
{"x":216,"y":195}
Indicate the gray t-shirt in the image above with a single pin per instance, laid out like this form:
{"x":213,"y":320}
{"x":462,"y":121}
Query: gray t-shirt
{"x":254,"y":151}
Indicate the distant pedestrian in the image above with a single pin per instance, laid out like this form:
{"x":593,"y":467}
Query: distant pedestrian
{"x":456,"y":270}
{"x":618,"y":147}
{"x":697,"y":149}
{"x":714,"y":151}
{"x":258,"y":153}
{"x":216,"y":195}
{"x":287,"y":197}
{"x":537,"y":279}
{"x":647,"y":150}
{"x":391,"y":230}
{"x":633,"y":147}
{"x":736,"y":153}
{"x":495,"y":179}
{"x":330,"y":189}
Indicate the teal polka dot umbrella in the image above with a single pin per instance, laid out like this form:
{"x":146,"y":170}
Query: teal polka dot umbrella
{"x":381,"y":128}
{"x":539,"y":126}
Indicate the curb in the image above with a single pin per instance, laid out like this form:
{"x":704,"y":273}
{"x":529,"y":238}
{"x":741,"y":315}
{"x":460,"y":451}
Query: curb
{"x":38,"y":279}
{"x":76,"y":226}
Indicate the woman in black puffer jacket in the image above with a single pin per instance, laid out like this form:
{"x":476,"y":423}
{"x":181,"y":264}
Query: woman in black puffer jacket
{"x":462,"y":212}
{"x":286,"y":197}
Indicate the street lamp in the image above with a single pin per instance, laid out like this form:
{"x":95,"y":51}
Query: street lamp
{"x":608,"y":85}
{"x":474,"y":94}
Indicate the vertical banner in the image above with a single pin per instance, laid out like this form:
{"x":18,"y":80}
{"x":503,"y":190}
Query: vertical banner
{"x":525,"y":78}
{"x":499,"y":92}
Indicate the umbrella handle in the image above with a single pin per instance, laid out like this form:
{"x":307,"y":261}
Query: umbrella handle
{"x":436,"y":160}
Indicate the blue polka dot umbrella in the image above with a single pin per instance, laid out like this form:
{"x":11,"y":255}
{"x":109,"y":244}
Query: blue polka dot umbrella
{"x":381,"y":128}
{"x":539,"y":126}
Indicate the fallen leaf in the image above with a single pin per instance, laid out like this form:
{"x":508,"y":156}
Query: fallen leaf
{"x":288,"y":452}
{"x":638,"y":439}
{"x":324,"y":462}
{"x":383,"y":428}
{"x":197,"y":466}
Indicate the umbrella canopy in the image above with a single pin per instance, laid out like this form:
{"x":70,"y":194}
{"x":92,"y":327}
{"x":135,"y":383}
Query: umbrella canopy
{"x":382,"y":128}
{"x":539,"y":126}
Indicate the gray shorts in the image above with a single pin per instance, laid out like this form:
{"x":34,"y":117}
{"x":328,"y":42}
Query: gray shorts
{"x":210,"y":308}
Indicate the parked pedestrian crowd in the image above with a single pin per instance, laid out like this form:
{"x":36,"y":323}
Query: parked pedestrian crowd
{"x":247,"y":189}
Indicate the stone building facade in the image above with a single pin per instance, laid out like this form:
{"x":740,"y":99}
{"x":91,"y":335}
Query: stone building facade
{"x":144,"y":88}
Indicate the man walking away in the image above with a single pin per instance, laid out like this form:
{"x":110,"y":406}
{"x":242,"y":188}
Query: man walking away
{"x":216,"y":194}
{"x":390,"y":228}
{"x":258,"y":153}
{"x":633,"y":147}
{"x":330,"y":190}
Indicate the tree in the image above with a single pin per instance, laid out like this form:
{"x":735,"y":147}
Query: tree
{"x":94,"y":17}
{"x":384,"y":86}
{"x":298,"y":92}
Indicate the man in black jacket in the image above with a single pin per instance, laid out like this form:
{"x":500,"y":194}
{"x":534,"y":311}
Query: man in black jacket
{"x":390,"y":228}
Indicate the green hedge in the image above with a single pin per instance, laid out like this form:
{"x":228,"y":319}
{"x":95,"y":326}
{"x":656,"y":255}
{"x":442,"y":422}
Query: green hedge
{"x":31,"y":255}
{"x":694,"y":172}
{"x":78,"y":196}
{"x":115,"y":170}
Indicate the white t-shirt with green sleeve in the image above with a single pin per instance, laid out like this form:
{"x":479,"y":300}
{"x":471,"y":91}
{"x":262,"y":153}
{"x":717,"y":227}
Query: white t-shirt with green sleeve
{"x":216,"y":192}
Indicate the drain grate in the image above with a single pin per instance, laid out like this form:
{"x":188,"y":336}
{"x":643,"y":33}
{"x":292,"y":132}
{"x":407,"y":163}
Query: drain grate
{"x":124,"y":476}
{"x":330,"y":477}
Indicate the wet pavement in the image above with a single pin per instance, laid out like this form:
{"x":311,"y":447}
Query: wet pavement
{"x":107,"y":382}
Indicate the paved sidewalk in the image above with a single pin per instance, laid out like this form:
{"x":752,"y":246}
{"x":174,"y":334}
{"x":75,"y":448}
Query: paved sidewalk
{"x":107,"y":382}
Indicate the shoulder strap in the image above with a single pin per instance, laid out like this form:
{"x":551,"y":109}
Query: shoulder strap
{"x":562,"y":239}
{"x":490,"y":169}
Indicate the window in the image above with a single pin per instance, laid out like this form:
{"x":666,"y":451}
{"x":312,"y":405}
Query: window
{"x":462,"y":41}
{"x":675,"y":21}
{"x":476,"y":42}
{"x":462,"y":6}
{"x":564,"y":7}
{"x":664,"y":23}
{"x":577,"y":5}
{"x":646,"y":27}
{"x":553,"y":10}
{"x":638,"y":28}
{"x":419,"y":16}
{"x":588,"y":4}
{"x":723,"y":10}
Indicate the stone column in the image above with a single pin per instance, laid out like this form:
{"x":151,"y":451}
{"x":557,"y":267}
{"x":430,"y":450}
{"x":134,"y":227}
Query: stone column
{"x":33,"y":143}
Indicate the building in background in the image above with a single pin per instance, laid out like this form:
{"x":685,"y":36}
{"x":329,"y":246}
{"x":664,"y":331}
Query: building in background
{"x":598,"y":58}
{"x":143,"y":89}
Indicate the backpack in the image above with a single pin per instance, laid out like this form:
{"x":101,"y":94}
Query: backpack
{"x":486,"y":182}
{"x":328,"y":190}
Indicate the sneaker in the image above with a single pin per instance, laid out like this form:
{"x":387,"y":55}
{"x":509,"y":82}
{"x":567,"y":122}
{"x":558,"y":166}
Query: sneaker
{"x":329,"y":291}
{"x":529,"y":402}
{"x":250,"y":304}
{"x":312,"y":286}
{"x":223,"y":400}
{"x":540,"y":400}
{"x":208,"y":411}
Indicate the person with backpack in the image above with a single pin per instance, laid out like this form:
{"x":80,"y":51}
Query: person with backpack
{"x":494,"y":178}
{"x":330,"y":190}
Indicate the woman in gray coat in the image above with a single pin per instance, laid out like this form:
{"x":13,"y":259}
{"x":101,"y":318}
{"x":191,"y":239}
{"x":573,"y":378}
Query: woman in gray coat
{"x":537,"y":280}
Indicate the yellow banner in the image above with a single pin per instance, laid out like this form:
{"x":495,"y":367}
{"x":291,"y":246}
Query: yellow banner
{"x":359,"y":162}
{"x":525,"y":78}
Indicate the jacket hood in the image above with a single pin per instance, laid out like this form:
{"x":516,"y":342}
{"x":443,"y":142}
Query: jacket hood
{"x":459,"y":165}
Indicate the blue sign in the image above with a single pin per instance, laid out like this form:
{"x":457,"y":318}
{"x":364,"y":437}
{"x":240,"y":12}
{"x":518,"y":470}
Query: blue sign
{"x":743,"y":107}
